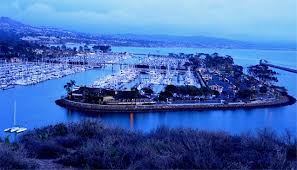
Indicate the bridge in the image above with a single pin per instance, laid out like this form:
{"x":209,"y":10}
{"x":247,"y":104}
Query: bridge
{"x":264,"y":62}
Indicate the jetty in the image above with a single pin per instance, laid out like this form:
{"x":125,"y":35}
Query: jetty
{"x":264,"y":62}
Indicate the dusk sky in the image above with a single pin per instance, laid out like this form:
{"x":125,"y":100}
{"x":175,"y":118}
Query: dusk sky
{"x":258,"y":20}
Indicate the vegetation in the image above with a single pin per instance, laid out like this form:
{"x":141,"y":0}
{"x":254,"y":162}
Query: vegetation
{"x":12,"y":46}
{"x":165,"y":95}
{"x":237,"y":71}
{"x":18,"y":48}
{"x":246,"y":94}
{"x":194,"y":61}
{"x":184,"y":91}
{"x":218,"y":62}
{"x":147,"y":90}
{"x":69,"y":86}
{"x":12,"y":159}
{"x":263,"y":73}
{"x":103,"y":48}
{"x":89,"y":144}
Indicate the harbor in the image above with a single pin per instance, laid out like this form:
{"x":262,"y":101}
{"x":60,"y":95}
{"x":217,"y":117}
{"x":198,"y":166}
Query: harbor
{"x":40,"y":109}
{"x":18,"y":72}
{"x":148,"y":84}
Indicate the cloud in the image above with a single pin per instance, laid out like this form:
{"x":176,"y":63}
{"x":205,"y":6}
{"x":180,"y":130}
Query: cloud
{"x":249,"y":19}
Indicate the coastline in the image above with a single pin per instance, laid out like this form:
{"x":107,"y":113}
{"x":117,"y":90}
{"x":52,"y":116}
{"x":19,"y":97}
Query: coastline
{"x":86,"y":107}
{"x":224,"y":48}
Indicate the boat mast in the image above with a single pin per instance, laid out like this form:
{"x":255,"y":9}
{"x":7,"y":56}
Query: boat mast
{"x":14,"y":114}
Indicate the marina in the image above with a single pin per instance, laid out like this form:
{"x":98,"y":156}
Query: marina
{"x":148,"y":84}
{"x":157,"y":79}
{"x":39,"y":109}
{"x":18,"y":72}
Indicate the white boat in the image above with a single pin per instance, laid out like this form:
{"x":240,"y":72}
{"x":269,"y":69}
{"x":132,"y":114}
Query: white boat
{"x":12,"y":130}
{"x":15,"y":129}
{"x":7,"y":130}
{"x":21,"y":130}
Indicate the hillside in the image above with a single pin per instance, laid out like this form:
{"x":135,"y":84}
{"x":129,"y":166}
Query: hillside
{"x":91,"y":145}
{"x":46,"y":35}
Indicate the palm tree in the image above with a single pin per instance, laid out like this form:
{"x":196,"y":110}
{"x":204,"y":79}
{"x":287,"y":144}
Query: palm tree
{"x":69,"y":87}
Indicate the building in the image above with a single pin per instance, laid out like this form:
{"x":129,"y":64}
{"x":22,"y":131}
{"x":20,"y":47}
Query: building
{"x":217,"y":88}
{"x":102,"y":48}
{"x":207,"y":77}
{"x":15,"y":60}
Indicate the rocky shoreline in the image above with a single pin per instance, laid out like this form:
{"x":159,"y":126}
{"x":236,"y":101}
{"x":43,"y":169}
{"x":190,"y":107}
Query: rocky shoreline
{"x":86,"y":107}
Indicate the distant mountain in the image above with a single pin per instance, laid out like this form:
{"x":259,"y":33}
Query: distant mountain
{"x":5,"y":21}
{"x":213,"y":42}
{"x":20,"y":29}
{"x":173,"y":38}
{"x":10,"y":28}
{"x":190,"y":40}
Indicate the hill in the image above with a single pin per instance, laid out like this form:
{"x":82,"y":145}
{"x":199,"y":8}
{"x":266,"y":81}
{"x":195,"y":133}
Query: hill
{"x":46,"y":35}
{"x":91,"y":145}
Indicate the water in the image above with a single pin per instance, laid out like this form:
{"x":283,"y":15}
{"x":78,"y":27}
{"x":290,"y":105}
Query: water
{"x":36,"y":107}
{"x":242,"y":57}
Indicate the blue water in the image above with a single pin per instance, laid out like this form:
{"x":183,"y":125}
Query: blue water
{"x":243,"y":57}
{"x":36,"y":107}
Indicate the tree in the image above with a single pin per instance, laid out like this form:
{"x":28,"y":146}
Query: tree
{"x":229,"y":60}
{"x":245,"y":94}
{"x":187,"y":64}
{"x":134,"y":93}
{"x":193,"y":91}
{"x":263,"y":73}
{"x":164,"y":95}
{"x":205,"y":91}
{"x":102,"y":48}
{"x":218,"y":62}
{"x":81,"y":48}
{"x":215,"y":92}
{"x":263,"y":89}
{"x":195,"y":61}
{"x":63,"y":47}
{"x":171,"y":88}
{"x":237,"y":71}
{"x":147,"y":91}
{"x":69,"y":86}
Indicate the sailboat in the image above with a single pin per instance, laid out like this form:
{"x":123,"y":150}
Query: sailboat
{"x":15,"y":129}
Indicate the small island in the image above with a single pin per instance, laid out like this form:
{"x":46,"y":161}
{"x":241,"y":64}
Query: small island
{"x":178,"y":82}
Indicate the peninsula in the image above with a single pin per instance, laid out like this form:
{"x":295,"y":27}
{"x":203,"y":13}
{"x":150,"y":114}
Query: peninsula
{"x":178,"y":82}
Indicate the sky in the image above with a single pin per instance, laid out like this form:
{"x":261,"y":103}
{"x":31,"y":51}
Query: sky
{"x":250,"y":20}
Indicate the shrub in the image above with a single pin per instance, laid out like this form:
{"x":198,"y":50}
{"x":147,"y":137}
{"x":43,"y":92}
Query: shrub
{"x":43,"y":149}
{"x":86,"y":129}
{"x":48,"y":150}
{"x":45,"y":133}
{"x":10,"y":159}
{"x":89,"y":144}
{"x":75,"y":159}
{"x":69,"y":141}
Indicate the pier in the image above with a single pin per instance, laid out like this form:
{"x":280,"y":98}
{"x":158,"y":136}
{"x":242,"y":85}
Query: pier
{"x":264,"y":62}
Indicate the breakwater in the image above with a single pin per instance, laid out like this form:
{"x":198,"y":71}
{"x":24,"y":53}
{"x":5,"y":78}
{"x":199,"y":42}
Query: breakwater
{"x":87,"y":107}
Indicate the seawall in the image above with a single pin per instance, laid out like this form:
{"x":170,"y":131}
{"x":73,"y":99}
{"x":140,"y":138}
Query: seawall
{"x":86,"y":107}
